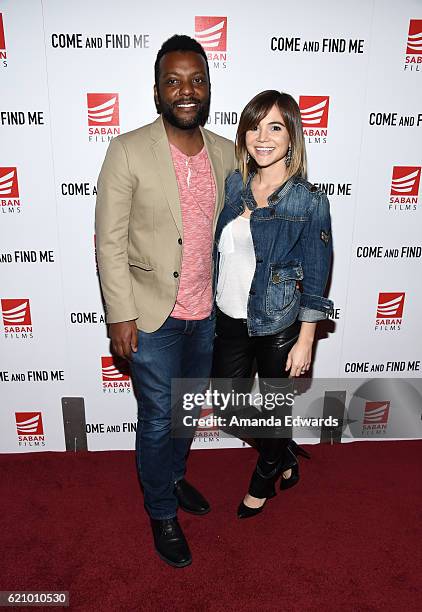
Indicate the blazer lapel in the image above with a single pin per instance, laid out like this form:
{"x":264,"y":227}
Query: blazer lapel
{"x":161,"y":151}
{"x":216,"y":158}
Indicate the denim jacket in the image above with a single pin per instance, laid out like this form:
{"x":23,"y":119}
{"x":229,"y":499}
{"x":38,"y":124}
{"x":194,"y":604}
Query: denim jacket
{"x":293,"y":250}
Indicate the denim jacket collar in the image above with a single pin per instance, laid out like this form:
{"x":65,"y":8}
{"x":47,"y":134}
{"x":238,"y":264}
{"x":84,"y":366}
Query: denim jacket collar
{"x":273,"y":199}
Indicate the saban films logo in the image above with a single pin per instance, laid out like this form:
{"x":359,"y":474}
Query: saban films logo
{"x":3,"y":52}
{"x":413,"y":59}
{"x":115,"y":375}
{"x":375,"y":418}
{"x":211,"y":33}
{"x":103,"y":116}
{"x":9,"y":190}
{"x":314,"y":114}
{"x":389,"y":311}
{"x":16,"y":318}
{"x":405,"y":188}
{"x":30,"y":430}
{"x":206,"y":432}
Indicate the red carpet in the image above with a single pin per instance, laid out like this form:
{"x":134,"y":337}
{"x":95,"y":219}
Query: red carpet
{"x":347,"y":538}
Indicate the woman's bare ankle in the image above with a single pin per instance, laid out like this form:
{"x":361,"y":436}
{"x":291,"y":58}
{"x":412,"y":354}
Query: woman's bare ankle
{"x":253,"y":502}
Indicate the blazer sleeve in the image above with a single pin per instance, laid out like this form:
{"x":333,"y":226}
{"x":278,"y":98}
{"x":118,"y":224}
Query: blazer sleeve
{"x":112,"y":213}
{"x":235,"y":160}
{"x":230,"y":161}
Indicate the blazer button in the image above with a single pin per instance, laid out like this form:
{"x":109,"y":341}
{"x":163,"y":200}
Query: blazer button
{"x":180,"y":241}
{"x":176,"y":274}
{"x":252,"y":292}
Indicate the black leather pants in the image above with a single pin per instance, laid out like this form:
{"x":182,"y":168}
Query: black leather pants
{"x":237,"y":356}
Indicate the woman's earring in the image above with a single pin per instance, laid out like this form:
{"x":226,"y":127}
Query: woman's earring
{"x":288,"y":157}
{"x":248,"y":158}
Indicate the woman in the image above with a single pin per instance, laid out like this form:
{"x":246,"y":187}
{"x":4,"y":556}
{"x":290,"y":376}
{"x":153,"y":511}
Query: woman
{"x":273,"y":253}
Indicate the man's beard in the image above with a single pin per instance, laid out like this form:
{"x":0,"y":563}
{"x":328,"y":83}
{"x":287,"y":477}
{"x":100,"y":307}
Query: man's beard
{"x":200,"y":117}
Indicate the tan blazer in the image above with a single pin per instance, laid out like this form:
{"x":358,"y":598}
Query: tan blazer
{"x":138,"y":219}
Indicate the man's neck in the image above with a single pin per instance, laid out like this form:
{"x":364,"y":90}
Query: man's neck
{"x":190,"y":142}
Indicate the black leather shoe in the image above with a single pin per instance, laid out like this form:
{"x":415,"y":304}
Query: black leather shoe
{"x":261,"y":486}
{"x":170,"y":542}
{"x":244,"y":511}
{"x":298,"y":450}
{"x":292,"y":464}
{"x":287,"y":483}
{"x":190,"y":500}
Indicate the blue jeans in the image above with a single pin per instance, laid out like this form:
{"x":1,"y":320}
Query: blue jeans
{"x":179,"y":349}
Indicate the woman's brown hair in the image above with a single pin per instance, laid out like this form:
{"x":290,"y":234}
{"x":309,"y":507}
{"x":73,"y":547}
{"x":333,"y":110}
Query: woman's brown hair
{"x":254,"y":112}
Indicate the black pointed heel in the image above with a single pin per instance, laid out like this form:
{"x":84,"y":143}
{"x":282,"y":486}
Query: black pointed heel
{"x":288,"y":483}
{"x":262,"y":485}
{"x":292,"y":464}
{"x":244,"y":511}
{"x":299,"y":450}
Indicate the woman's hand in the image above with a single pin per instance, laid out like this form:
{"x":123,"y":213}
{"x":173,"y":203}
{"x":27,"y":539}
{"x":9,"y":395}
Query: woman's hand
{"x":300,"y":355}
{"x":299,"y":358}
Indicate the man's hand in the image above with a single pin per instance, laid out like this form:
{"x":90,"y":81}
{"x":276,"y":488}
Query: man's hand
{"x":124,"y":338}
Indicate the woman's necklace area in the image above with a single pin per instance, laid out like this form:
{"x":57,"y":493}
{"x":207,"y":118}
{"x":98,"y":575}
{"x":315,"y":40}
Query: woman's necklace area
{"x":252,"y":204}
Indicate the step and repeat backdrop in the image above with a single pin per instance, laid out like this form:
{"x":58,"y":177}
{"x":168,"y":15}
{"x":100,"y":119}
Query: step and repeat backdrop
{"x":74,"y":75}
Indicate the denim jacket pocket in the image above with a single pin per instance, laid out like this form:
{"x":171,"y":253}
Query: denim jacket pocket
{"x":282,"y":292}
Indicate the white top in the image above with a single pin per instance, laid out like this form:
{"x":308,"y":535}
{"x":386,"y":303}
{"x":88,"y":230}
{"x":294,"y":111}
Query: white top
{"x":236,"y":269}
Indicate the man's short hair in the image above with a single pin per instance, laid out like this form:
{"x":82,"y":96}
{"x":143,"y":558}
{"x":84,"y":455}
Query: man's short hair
{"x":179,"y":42}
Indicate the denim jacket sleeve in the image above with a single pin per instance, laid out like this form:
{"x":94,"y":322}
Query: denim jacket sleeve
{"x":233,"y":186}
{"x":316,"y":243}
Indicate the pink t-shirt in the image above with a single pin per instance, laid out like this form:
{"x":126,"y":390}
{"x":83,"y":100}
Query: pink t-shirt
{"x":197,"y":199}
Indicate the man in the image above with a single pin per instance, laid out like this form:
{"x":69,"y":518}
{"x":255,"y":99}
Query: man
{"x":160,"y":191}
